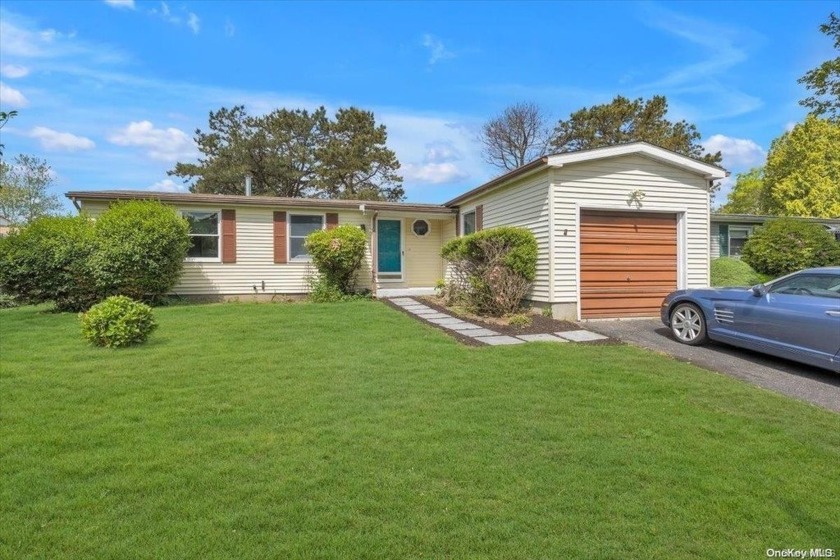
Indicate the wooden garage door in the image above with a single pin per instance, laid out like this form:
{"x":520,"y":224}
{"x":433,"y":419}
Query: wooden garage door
{"x":628,"y":263}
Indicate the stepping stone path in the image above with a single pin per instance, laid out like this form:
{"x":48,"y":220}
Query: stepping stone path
{"x":486,"y":336}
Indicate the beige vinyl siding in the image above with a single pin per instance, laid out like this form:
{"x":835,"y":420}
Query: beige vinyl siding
{"x":606,"y":184}
{"x":95,"y":208}
{"x":524,"y":203}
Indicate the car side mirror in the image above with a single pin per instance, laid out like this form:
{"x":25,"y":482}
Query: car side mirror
{"x":759,"y":290}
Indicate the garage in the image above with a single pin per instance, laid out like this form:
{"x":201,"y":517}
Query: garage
{"x":628,"y":263}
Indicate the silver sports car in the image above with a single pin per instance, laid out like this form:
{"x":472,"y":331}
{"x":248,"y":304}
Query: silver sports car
{"x":795,"y":317}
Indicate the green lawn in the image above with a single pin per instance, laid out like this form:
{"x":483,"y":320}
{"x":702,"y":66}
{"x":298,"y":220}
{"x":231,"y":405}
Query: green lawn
{"x":352,"y":431}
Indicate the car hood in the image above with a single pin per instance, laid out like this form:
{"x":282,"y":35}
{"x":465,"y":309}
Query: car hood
{"x":735,"y":292}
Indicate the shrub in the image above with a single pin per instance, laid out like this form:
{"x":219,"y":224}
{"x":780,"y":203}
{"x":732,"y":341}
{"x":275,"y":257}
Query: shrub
{"x":7,"y":301}
{"x":786,"y":245}
{"x":118,"y":321}
{"x":140,"y":249}
{"x":337,"y":254}
{"x":492,"y":270}
{"x":47,"y":261}
{"x":727,"y":271}
{"x":520,"y":320}
{"x":323,"y":291}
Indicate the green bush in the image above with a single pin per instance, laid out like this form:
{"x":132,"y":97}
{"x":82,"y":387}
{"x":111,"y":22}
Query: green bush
{"x":47,"y":261}
{"x":492,"y":270}
{"x":337,"y":254}
{"x":520,"y":320}
{"x":140,"y":249}
{"x":118,"y":321}
{"x":727,"y":271}
{"x":786,"y":245}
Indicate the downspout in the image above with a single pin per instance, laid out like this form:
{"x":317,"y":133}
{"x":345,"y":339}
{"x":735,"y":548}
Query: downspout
{"x":373,"y":258}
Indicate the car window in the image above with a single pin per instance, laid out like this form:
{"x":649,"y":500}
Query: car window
{"x":819,"y":285}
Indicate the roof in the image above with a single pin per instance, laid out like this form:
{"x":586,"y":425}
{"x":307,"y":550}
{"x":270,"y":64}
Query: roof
{"x":706,"y":170}
{"x":269,"y":201}
{"x":758,"y":219}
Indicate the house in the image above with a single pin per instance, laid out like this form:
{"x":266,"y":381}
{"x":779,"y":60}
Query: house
{"x":729,"y":232}
{"x":5,"y":226}
{"x":617,"y":228}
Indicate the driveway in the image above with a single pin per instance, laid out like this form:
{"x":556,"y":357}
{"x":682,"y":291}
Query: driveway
{"x":813,"y":385}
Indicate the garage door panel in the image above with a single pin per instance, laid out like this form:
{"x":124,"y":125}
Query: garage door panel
{"x":628,"y":263}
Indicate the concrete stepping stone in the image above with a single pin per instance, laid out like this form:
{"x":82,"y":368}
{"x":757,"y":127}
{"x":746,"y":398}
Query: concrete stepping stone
{"x":475,"y":333}
{"x":403,"y":301}
{"x":457,"y":327}
{"x":580,"y":336}
{"x":499,"y":340}
{"x":434,"y":315}
{"x":415,"y":308}
{"x":446,"y":321}
{"x":541,"y":338}
{"x":465,"y":327}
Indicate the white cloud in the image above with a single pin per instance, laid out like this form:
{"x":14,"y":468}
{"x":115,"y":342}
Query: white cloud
{"x":20,"y":37}
{"x":124,"y":4}
{"x":433,"y":173}
{"x":12,"y":97}
{"x":738,"y":153}
{"x":168,"y":185}
{"x":193,"y":23}
{"x":14,"y":71}
{"x":170,"y":144}
{"x":437,"y":50}
{"x":230,"y":29}
{"x":54,"y":140}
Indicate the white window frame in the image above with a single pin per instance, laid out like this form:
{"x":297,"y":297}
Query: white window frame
{"x":747,"y":229}
{"x":464,"y":215}
{"x":428,"y":225}
{"x":218,"y":212}
{"x":307,"y":258}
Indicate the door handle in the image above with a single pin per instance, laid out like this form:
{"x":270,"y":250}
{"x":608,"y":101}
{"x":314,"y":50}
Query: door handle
{"x":833,"y":313}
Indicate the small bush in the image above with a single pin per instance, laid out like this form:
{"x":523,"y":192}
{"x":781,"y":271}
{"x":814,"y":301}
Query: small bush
{"x":323,"y":291}
{"x":47,"y":261}
{"x":140,"y":249}
{"x":7,"y":301}
{"x":337,"y":254}
{"x":118,"y":321}
{"x":727,"y":271}
{"x":520,"y":320}
{"x":786,"y":245}
{"x":492,"y":270}
{"x":547,"y":312}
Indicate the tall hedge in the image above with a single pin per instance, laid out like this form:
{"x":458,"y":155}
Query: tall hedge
{"x":47,"y":261}
{"x":786,"y":245}
{"x":140,"y":247}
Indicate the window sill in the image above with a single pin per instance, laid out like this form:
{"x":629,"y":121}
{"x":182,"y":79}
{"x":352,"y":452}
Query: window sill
{"x":203,"y":260}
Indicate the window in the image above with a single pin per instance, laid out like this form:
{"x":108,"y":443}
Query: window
{"x":299,"y":227}
{"x":737,"y":237}
{"x":469,"y":222}
{"x":204,"y":235}
{"x":819,"y":285}
{"x":420,"y":228}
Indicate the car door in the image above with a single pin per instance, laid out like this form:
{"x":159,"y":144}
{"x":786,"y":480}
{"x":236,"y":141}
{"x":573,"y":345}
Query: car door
{"x":801,"y":315}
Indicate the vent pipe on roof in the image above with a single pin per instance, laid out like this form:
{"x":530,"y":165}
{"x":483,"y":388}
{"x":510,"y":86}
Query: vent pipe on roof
{"x":247,"y":185}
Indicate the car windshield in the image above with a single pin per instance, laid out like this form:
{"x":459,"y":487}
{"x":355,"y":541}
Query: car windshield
{"x":808,"y":284}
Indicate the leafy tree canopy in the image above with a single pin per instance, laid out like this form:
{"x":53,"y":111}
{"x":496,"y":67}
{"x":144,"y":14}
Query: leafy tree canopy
{"x":802,"y":176}
{"x":622,"y":121}
{"x":295,"y":153}
{"x":747,"y":196}
{"x":24,"y":186}
{"x":824,"y":80}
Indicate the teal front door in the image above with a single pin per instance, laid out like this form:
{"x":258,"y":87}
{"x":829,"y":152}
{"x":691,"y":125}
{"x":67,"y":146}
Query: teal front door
{"x":389,"y":247}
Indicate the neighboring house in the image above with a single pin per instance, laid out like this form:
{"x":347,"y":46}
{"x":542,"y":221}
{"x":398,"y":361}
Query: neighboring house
{"x":618,"y":228}
{"x":729,"y":232}
{"x":5,"y":226}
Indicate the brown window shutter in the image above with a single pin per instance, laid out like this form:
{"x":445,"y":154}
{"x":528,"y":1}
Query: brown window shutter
{"x":479,"y":217}
{"x":332,"y":220}
{"x":458,"y":223}
{"x":228,"y":236}
{"x":280,"y":255}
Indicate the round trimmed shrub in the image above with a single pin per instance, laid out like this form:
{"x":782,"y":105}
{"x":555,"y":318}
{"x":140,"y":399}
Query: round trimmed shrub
{"x":786,"y":245}
{"x":118,"y":321}
{"x":727,"y":271}
{"x":140,"y":249}
{"x":337,"y":254}
{"x":47,"y":261}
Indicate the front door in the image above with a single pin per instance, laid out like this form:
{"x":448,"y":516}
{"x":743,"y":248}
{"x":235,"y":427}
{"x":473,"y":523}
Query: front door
{"x":389,"y":249}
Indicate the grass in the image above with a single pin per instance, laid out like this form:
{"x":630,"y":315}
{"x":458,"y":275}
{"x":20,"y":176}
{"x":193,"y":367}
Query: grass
{"x":352,"y":431}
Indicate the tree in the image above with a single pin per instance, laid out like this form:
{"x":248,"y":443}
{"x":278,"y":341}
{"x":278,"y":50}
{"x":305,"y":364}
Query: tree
{"x":747,"y":196}
{"x":824,"y":80}
{"x":4,"y":118}
{"x":622,"y":121}
{"x":518,"y":135}
{"x":294,"y":153}
{"x":802,"y":176}
{"x":23,"y":190}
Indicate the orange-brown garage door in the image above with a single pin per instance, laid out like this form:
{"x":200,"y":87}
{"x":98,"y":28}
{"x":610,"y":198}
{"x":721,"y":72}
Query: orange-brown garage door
{"x":628,"y":263}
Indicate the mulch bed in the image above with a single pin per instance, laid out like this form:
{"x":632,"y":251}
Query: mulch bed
{"x":540,"y":324}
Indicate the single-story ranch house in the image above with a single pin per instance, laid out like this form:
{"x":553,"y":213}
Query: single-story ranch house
{"x":617,"y":227}
{"x":731,"y":231}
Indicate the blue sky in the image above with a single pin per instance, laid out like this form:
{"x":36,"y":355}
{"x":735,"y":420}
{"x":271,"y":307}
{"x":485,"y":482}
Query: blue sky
{"x":111,"y":92}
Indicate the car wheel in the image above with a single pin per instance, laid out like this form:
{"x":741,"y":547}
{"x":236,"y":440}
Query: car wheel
{"x":688,"y":324}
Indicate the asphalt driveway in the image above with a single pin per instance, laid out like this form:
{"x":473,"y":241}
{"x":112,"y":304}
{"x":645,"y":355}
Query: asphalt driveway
{"x":816,"y":386}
